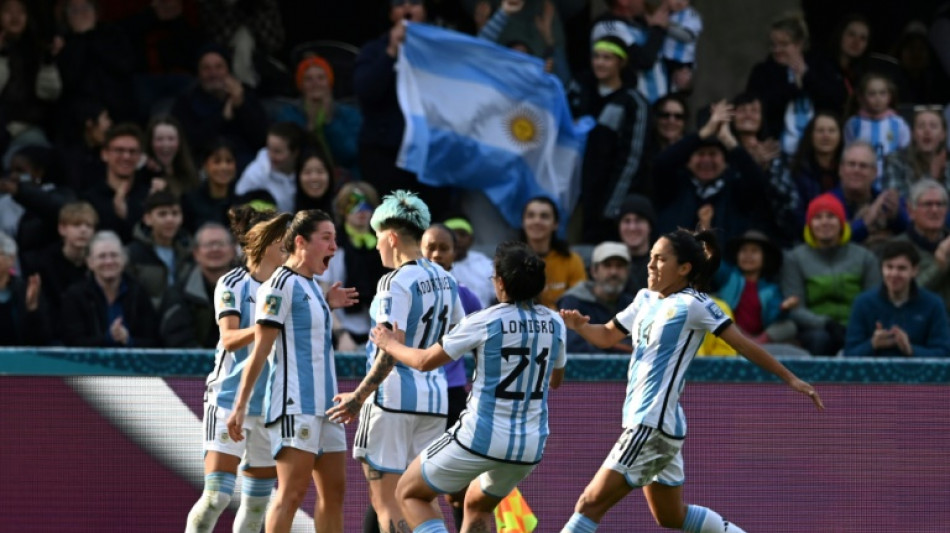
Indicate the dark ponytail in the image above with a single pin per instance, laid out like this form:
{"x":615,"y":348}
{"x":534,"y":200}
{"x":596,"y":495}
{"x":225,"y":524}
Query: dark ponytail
{"x":521,"y":271}
{"x":304,"y":223}
{"x":699,"y":249}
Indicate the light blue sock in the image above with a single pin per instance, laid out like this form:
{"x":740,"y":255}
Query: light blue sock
{"x":579,"y":524}
{"x":217,"y":494}
{"x":700,"y":519}
{"x":435,"y":525}
{"x":255,"y":495}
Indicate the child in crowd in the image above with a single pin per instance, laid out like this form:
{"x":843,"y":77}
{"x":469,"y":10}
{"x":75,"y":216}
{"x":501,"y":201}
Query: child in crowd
{"x":876,"y":121}
{"x":679,"y":47}
{"x":160,"y":250}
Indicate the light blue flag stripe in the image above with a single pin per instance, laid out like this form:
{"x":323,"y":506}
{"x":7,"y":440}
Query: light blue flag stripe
{"x":481,"y":116}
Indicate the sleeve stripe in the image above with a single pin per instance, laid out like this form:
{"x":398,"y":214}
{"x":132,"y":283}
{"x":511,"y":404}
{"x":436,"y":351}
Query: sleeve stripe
{"x":620,"y":326}
{"x":270,"y":323}
{"x":228,"y":312}
{"x":722,"y":327}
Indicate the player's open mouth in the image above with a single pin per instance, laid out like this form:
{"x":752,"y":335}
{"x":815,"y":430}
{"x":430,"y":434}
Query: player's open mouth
{"x":326,"y":261}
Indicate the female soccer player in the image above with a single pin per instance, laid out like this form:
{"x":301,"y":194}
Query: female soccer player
{"x":293,"y":329}
{"x":263,"y":253}
{"x":667,"y":321}
{"x":500,"y":437}
{"x":408,"y":407}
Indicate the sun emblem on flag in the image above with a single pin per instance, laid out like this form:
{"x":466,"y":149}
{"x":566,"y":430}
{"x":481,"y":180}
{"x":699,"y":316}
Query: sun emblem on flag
{"x":524,"y":127}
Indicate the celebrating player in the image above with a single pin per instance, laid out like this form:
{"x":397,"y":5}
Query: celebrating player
{"x":408,"y":406}
{"x":668,"y":321}
{"x":500,"y":437}
{"x":294,"y":328}
{"x":233,"y":297}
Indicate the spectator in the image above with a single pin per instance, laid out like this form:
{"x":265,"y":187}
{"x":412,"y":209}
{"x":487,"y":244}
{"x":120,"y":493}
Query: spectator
{"x":34,"y":198}
{"x":96,"y":62}
{"x":853,"y":56}
{"x":679,"y":47}
{"x":643,"y":30}
{"x":636,"y":228}
{"x":316,"y":184}
{"x":814,"y":166}
{"x":708,"y":178}
{"x":601,"y":297}
{"x":825,"y":274}
{"x":874,"y":215}
{"x":749,"y":128}
{"x":471,"y":267}
{"x":929,"y":233}
{"x":335,"y":125}
{"x":29,"y":79}
{"x":927,"y":83}
{"x":187,"y":313}
{"x":108,"y":308}
{"x":252,"y":30}
{"x":23,"y":316}
{"x":563,"y":268}
{"x":876,"y":121}
{"x":159,"y":251}
{"x":613,"y":157}
{"x":274,"y":168}
{"x":374,"y":79}
{"x":63,"y":263}
{"x":794,"y":83}
{"x":163,"y":43}
{"x":925,"y":158}
{"x":356,"y":262}
{"x":215,"y":193}
{"x":747,"y":284}
{"x":533,"y":28}
{"x":119,"y":198}
{"x":83,"y":164}
{"x":219,"y":105}
{"x":168,"y":155}
{"x":667,"y":126}
{"x":899,"y":318}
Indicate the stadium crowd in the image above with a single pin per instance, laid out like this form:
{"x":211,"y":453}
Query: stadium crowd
{"x":125,"y":143}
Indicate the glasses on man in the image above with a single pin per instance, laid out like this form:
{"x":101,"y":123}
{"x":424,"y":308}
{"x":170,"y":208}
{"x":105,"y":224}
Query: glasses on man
{"x":932,"y":204}
{"x":211,"y":245}
{"x":863,"y":165}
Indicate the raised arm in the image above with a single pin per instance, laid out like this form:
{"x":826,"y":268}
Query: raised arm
{"x":755,"y":353}
{"x":600,"y":335}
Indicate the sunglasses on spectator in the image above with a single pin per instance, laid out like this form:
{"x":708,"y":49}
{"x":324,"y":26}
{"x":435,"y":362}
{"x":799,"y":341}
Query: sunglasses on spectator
{"x":668,"y":114}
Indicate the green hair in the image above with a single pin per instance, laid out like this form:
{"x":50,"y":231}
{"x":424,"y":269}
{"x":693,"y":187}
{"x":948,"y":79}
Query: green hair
{"x":402,"y":210}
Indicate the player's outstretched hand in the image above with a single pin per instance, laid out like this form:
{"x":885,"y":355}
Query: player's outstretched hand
{"x":809,"y":391}
{"x":339,"y":296}
{"x":347,"y":408}
{"x":236,"y":425}
{"x":573,"y":319}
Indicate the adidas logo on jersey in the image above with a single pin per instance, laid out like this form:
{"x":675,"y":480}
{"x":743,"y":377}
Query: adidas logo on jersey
{"x":290,"y":401}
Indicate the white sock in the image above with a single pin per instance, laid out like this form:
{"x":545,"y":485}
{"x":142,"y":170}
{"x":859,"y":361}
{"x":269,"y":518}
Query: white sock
{"x":255,"y":495}
{"x":217,"y":494}
{"x":700,"y":519}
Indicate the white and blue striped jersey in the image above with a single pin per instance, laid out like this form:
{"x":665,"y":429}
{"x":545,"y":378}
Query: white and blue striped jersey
{"x":887,"y":134}
{"x":652,"y":83}
{"x":516,"y":349}
{"x":666,"y":333}
{"x":421,"y":299}
{"x":303,"y":373}
{"x":691,"y":22}
{"x":234,"y":296}
{"x":798,"y":113}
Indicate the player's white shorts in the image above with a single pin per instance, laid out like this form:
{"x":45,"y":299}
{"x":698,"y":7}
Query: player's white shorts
{"x":447,"y":468}
{"x":389,"y":441}
{"x":644,"y":455}
{"x":254,"y":449}
{"x":310,"y":433}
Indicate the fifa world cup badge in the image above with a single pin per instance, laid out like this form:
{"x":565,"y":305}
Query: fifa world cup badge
{"x":272,"y":305}
{"x":227,"y":299}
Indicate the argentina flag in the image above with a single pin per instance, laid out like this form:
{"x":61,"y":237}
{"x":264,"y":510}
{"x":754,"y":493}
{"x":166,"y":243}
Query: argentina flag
{"x":480,"y":116}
